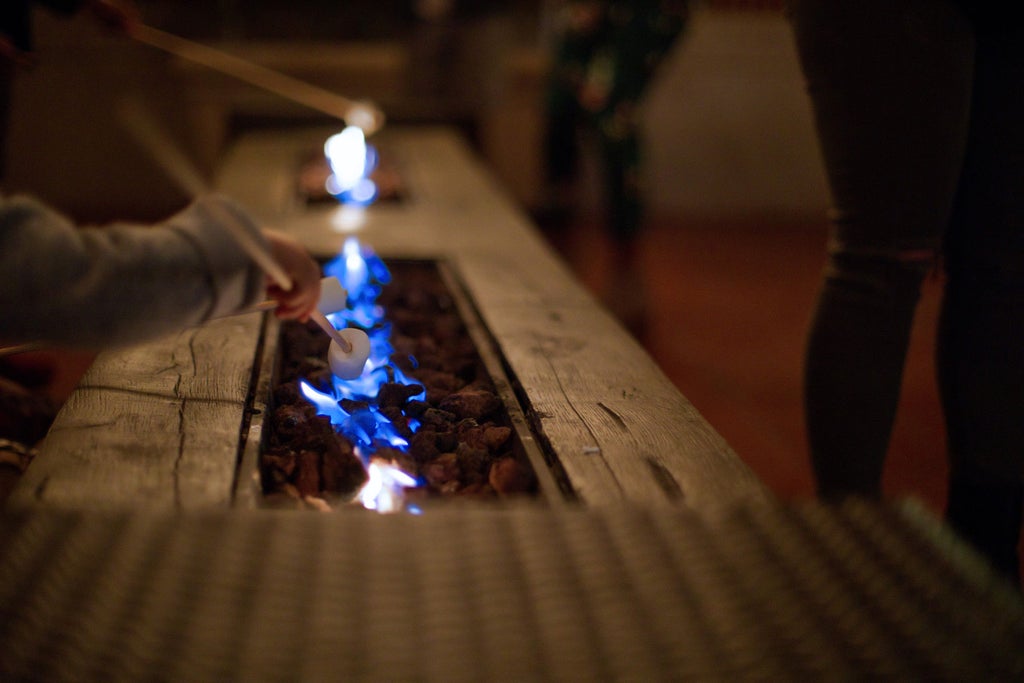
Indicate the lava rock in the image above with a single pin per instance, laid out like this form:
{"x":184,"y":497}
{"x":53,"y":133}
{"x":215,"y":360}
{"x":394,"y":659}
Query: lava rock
{"x":510,"y":476}
{"x":474,"y":403}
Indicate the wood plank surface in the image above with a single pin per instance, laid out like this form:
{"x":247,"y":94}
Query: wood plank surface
{"x":156,"y":425}
{"x":621,"y":430}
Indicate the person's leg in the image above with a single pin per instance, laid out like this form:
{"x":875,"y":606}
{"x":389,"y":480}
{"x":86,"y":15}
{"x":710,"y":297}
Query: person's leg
{"x":561,"y":153}
{"x":639,"y":36}
{"x":619,"y":140}
{"x":985,"y":510}
{"x":619,"y":148}
{"x":980,"y":359}
{"x":564,"y":116}
{"x":890,"y":87}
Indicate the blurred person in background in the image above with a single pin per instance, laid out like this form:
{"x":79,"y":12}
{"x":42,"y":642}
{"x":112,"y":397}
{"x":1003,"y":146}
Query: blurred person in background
{"x":607,"y":51}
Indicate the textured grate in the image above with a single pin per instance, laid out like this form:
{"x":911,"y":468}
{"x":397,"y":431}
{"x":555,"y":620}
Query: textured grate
{"x":756,"y":592}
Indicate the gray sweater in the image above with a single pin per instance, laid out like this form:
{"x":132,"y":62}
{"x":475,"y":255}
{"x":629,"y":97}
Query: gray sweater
{"x":119,"y":284}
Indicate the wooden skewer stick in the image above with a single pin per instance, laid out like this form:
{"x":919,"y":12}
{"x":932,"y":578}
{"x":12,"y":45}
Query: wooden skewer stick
{"x":320,"y":319}
{"x":21,"y":348}
{"x":181,"y":170}
{"x":367,"y":117}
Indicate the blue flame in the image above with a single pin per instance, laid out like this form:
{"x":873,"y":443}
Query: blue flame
{"x":326,"y":404}
{"x":363,"y":274}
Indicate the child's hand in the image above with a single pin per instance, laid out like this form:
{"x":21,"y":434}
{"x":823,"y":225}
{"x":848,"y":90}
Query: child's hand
{"x":301,"y":299}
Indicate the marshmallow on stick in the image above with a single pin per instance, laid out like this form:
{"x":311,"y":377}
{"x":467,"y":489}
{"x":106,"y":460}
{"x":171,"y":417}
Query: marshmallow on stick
{"x":346,"y":360}
{"x":350,"y":347}
{"x":349,"y":364}
{"x":333,"y":297}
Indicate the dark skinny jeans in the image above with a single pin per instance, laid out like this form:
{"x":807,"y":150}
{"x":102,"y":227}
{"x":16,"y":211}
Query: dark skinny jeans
{"x":920,"y":117}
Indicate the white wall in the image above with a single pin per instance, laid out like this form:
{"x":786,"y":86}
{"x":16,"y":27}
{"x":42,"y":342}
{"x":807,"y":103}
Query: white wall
{"x":729,"y":123}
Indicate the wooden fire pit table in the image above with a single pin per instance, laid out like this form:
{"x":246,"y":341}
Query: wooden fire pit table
{"x":164,"y":424}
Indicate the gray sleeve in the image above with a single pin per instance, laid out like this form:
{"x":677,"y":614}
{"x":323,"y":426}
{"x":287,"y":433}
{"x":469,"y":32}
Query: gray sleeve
{"x":120,"y":284}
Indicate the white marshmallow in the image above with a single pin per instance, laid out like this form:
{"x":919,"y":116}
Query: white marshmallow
{"x":349,"y":365}
{"x":333,"y":297}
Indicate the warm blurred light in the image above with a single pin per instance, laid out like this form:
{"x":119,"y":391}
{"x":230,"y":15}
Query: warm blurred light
{"x":365,"y":117}
{"x":348,"y":218}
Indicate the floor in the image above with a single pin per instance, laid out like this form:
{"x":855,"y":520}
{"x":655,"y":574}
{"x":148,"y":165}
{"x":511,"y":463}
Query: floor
{"x":728,"y":305}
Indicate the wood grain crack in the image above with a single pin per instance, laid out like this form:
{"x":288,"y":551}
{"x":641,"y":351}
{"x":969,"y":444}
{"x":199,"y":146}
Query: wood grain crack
{"x":614,"y":415}
{"x":176,"y":475}
{"x":593,"y":437}
{"x":40,"y":489}
{"x":182,"y":436}
{"x":664,"y":479}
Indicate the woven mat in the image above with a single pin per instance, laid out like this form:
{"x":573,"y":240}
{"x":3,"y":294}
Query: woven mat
{"x":756,"y":592}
